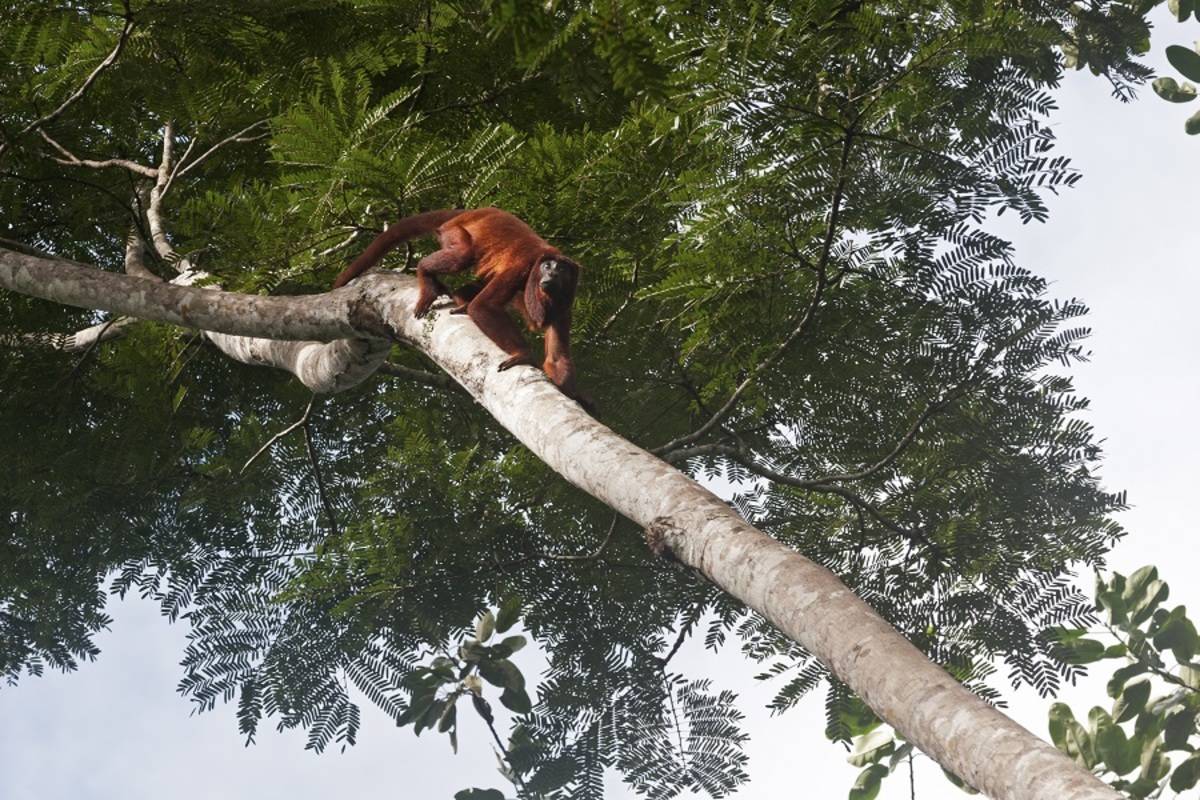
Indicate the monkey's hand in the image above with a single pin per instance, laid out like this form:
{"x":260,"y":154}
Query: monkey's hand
{"x":520,"y":358}
{"x":459,"y":309}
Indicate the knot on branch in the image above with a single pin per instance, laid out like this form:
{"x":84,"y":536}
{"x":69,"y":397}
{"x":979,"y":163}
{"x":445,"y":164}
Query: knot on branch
{"x":658,"y":534}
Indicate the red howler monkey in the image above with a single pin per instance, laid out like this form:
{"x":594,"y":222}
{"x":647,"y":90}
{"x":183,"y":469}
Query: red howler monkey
{"x":515,"y":268}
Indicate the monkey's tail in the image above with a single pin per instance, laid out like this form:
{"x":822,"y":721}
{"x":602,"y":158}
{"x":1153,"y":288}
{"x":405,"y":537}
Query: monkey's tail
{"x":402,"y":231}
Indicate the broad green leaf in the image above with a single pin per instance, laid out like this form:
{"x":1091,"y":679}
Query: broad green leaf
{"x":483,"y":708}
{"x":1154,"y":763}
{"x":479,"y":794}
{"x":516,"y":700}
{"x":1190,"y":675}
{"x":1069,"y":736}
{"x":509,"y":613}
{"x":866,"y":786}
{"x":1186,"y":774}
{"x":1170,"y":89}
{"x":431,"y":716}
{"x":472,"y":651}
{"x":1117,"y":682}
{"x":485,"y":626}
{"x":1131,"y":700}
{"x":1118,"y":752}
{"x":1143,"y":590}
{"x":1149,"y":724}
{"x":448,"y":718}
{"x":514,"y":643}
{"x":1108,"y":595}
{"x":871,"y":747}
{"x":416,"y":709}
{"x":1178,"y":727}
{"x":502,"y":673}
{"x":443,"y":668}
{"x":900,"y":756}
{"x":1192,"y":126}
{"x":1080,"y":651}
{"x":1186,"y":60}
{"x":1178,"y":634}
{"x":1182,"y":9}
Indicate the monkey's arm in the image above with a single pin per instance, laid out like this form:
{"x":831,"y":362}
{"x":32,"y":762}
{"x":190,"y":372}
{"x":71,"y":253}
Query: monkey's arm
{"x":558,"y":364}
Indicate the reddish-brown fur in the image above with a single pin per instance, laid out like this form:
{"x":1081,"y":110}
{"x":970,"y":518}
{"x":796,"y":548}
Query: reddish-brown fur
{"x":515,"y":268}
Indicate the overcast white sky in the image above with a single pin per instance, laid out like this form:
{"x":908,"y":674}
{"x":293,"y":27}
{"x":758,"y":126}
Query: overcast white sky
{"x":1126,"y":240}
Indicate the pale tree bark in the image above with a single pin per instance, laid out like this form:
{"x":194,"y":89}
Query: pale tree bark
{"x":682,"y":519}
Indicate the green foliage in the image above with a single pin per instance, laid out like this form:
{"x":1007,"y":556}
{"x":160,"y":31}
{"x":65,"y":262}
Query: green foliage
{"x":1187,"y":61}
{"x":790,"y":196}
{"x":1160,"y":700}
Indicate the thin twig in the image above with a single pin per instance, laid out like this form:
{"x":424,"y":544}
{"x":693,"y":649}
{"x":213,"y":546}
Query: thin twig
{"x":303,"y":419}
{"x":633,"y":285}
{"x":87,"y":84}
{"x":180,"y":170}
{"x":599,"y":551}
{"x":835,"y":205}
{"x":71,"y":160}
{"x":489,"y":720}
{"x":741,"y":456}
{"x":316,"y":467}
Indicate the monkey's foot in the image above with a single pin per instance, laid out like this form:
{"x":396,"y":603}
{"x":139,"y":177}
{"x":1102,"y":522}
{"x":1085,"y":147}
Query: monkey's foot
{"x":523,"y":358}
{"x":459,"y":309}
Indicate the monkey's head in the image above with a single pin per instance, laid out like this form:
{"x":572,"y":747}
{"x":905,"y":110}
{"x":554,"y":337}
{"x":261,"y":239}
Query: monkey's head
{"x":550,"y":288}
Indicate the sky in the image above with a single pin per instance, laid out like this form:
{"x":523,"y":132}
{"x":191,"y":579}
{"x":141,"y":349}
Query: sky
{"x":1126,"y":240}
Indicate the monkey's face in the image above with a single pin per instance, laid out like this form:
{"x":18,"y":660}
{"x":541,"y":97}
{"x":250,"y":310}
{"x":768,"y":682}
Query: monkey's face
{"x":557,"y":277}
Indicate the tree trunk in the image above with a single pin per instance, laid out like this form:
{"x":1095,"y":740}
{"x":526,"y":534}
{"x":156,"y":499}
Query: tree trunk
{"x":682,"y":519}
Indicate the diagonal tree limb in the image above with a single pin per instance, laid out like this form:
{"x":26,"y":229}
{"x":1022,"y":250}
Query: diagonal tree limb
{"x":69,"y":159}
{"x":682,"y":519}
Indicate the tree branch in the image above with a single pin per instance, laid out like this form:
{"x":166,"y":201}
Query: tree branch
{"x":72,"y":160}
{"x":180,"y":169}
{"x":87,"y":84}
{"x":324,"y":317}
{"x":158,"y":231}
{"x":683,"y":520}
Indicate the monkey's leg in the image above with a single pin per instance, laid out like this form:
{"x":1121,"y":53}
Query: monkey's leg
{"x":487,"y":311}
{"x":455,"y":256}
{"x":464,"y":295}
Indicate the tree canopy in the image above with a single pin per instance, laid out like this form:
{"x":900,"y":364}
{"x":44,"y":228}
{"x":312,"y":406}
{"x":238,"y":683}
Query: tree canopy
{"x":789,"y":288}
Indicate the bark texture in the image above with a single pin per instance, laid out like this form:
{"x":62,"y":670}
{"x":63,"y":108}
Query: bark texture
{"x":682,"y":519}
{"x":322,"y":317}
{"x":329,"y":364}
{"x":804,"y":600}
